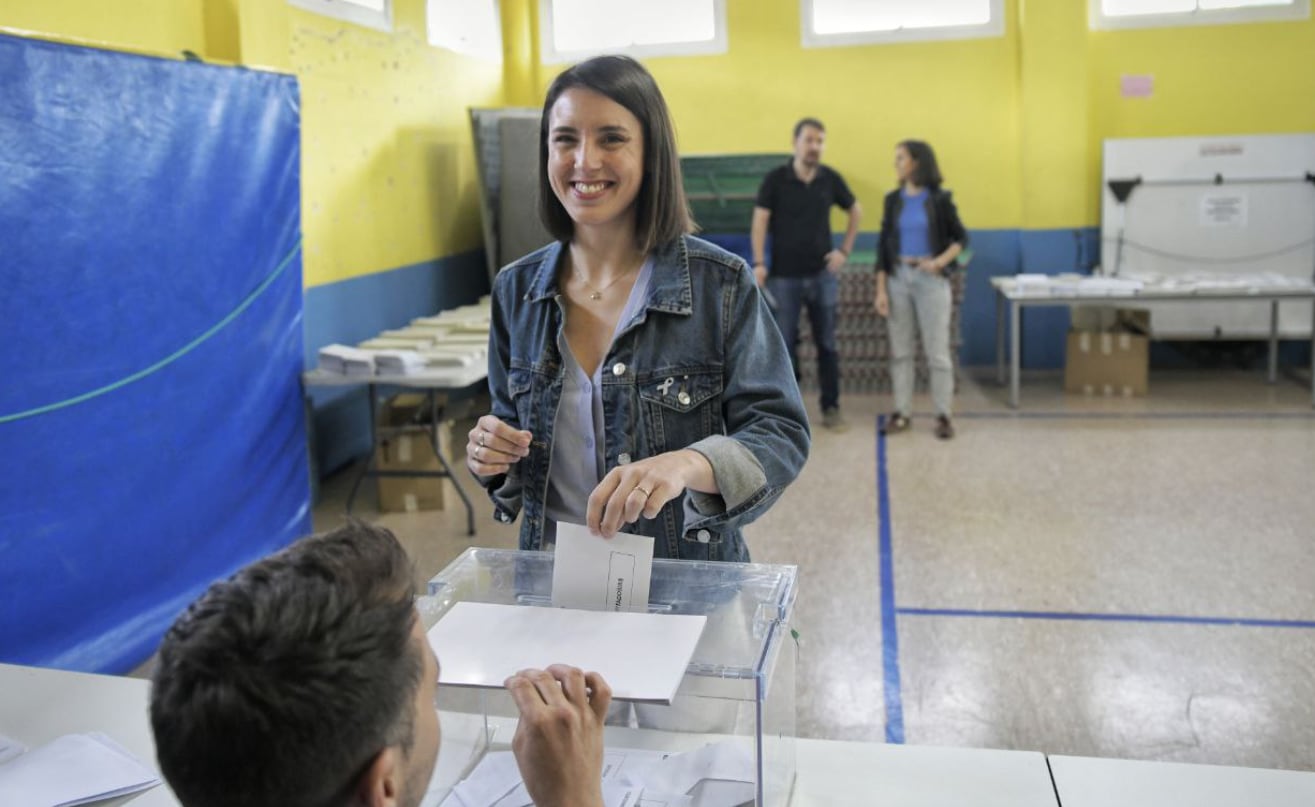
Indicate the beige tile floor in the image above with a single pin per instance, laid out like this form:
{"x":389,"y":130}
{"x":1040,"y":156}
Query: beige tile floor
{"x":1197,"y":501}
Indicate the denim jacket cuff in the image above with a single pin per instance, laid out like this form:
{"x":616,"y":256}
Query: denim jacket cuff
{"x":738,"y":473}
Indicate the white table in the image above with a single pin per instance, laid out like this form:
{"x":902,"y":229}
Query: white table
{"x":1090,"y":782}
{"x":435,"y":382}
{"x":38,"y":705}
{"x":1010,"y":295}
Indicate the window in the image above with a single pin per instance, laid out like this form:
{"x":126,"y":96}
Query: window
{"x":377,"y":14}
{"x":472,"y":27}
{"x":1163,"y":13}
{"x":578,"y":29}
{"x":827,"y":23}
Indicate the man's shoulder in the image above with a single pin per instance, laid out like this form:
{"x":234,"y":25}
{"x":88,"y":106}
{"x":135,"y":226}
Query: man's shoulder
{"x":830,"y":173}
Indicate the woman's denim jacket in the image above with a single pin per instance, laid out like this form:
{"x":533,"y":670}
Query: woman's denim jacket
{"x":701,"y":366}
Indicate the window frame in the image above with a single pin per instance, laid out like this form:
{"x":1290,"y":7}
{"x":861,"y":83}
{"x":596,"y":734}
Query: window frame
{"x":548,"y":53}
{"x":988,"y":30}
{"x":349,"y":12}
{"x":1099,"y":21}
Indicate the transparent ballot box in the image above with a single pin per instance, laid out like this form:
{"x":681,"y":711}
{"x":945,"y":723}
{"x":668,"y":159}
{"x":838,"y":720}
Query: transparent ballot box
{"x":737,"y":696}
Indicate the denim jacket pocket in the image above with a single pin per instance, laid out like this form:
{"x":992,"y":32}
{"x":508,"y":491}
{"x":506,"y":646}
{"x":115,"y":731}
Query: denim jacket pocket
{"x":681,"y":407}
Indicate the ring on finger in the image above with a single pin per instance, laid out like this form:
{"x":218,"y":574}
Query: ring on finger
{"x":477,"y":450}
{"x":481,"y":438}
{"x":644,"y":491}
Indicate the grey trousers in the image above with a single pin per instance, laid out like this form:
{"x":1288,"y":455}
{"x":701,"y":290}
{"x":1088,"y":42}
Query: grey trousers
{"x":922,"y":300}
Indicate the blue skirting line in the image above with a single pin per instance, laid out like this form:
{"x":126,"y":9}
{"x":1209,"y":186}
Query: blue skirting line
{"x":889,"y":632}
{"x":1065,"y":615}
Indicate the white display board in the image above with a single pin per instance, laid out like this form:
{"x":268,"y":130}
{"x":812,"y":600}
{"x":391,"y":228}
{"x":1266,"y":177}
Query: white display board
{"x":1242,"y":208}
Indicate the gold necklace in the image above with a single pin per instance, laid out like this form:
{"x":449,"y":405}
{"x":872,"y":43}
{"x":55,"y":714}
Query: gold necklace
{"x":596,"y":293}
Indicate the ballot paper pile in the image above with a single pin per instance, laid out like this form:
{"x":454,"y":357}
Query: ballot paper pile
{"x":73,"y":769}
{"x":455,"y":338}
{"x":716,"y":775}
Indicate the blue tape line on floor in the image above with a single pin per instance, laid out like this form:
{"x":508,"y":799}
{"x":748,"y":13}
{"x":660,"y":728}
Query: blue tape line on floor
{"x":1073,"y":616}
{"x":889,"y":631}
{"x":1236,"y":415}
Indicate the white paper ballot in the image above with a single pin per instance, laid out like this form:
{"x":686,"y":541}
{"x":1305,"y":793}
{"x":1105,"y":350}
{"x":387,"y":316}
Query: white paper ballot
{"x":73,"y":769}
{"x":601,"y":574}
{"x":642,"y":656}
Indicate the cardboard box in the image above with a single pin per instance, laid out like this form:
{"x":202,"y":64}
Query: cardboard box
{"x":402,"y":431}
{"x":408,"y":450}
{"x":1106,"y":363}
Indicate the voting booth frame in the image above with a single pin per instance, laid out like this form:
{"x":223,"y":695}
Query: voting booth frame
{"x":738,"y":690}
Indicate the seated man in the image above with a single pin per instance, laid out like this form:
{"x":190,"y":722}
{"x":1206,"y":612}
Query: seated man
{"x":306,"y":680}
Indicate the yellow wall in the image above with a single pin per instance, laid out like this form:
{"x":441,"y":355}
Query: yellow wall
{"x":163,"y":27}
{"x":1017,"y":121}
{"x":388,"y":169}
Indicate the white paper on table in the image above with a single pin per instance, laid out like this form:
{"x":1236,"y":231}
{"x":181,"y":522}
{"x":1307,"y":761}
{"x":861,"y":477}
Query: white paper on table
{"x":10,"y":748}
{"x":641,"y":656}
{"x":601,"y":574}
{"x":720,"y":762}
{"x":74,"y":769}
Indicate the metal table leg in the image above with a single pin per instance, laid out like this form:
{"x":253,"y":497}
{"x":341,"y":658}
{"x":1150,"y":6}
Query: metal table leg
{"x":1015,"y":359}
{"x":1312,"y":354}
{"x":999,"y":337}
{"x":1273,"y":341}
{"x":369,"y":462}
{"x":435,"y":422}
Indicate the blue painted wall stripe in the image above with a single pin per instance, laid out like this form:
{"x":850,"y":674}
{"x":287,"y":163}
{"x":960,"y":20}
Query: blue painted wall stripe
{"x":1245,"y":622}
{"x":889,"y":630}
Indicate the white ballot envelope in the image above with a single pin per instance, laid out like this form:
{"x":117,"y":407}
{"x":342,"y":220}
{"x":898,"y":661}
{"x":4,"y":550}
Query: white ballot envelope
{"x":593,"y":573}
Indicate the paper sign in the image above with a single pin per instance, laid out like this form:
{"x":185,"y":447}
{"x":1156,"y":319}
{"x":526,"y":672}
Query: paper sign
{"x":601,"y":574}
{"x":1224,"y":210}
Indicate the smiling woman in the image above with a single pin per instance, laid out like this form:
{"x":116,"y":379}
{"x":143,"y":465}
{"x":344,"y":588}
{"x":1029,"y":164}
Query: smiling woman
{"x":636,"y":373}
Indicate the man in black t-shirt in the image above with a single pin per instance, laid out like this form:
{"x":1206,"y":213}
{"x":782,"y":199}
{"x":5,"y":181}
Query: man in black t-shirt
{"x":794,"y":206}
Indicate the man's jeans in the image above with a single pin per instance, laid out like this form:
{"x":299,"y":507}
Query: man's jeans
{"x":819,"y":293}
{"x":918,"y":296}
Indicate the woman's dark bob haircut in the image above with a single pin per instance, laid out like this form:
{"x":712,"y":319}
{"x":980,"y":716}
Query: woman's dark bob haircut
{"x":926,"y":173}
{"x":661,"y":212}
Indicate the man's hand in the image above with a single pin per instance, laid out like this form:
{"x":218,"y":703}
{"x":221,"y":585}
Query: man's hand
{"x":835,"y":261}
{"x":882,"y":303}
{"x":559,"y":740}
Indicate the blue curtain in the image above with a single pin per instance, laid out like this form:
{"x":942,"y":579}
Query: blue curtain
{"x":151,"y":419}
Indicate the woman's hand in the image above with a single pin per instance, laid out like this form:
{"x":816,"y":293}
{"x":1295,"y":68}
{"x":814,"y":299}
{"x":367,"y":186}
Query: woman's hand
{"x":931,"y":266}
{"x":882,"y":303}
{"x":644,"y":487}
{"x":835,"y":261}
{"x":494,"y":447}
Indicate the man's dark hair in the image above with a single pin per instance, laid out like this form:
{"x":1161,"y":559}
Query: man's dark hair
{"x":281,"y":684}
{"x":926,"y":174}
{"x":661,"y":211}
{"x":803,"y":122}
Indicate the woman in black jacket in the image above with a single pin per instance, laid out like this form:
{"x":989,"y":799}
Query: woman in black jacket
{"x":921,"y":236}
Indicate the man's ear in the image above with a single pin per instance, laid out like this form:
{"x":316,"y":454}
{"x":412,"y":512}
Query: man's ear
{"x":381,"y":784}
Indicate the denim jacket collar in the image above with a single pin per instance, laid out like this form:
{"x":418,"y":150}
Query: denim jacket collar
{"x":669,"y":291}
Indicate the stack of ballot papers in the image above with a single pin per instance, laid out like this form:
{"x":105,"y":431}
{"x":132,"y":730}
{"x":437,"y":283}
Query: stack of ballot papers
{"x":73,"y":769}
{"x":398,"y":362}
{"x":716,"y":775}
{"x":346,"y":360}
